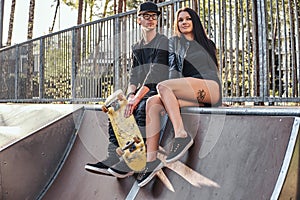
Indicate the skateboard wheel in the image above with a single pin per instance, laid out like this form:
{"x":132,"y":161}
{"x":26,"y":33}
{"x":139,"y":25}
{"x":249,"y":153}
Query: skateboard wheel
{"x":104,"y":109}
{"x":136,"y":139}
{"x":119,"y":151}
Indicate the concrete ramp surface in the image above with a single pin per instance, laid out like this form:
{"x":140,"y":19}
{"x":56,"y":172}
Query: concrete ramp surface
{"x":239,"y":153}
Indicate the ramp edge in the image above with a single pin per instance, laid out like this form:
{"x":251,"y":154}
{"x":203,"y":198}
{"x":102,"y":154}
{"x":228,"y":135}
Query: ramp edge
{"x":287,"y":160}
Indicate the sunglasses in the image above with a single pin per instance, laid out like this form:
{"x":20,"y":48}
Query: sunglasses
{"x":147,"y":16}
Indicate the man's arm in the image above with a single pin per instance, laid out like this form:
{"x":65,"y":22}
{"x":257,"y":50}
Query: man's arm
{"x":141,"y":93}
{"x":131,"y":90}
{"x":134,"y":80}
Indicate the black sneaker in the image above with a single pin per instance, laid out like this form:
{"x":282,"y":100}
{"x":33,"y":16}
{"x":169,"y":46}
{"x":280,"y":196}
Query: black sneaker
{"x":180,"y":146}
{"x":149,"y":172}
{"x":102,"y":167}
{"x":120,"y":170}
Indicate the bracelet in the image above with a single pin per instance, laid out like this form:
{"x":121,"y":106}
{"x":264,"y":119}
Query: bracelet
{"x":130,"y":93}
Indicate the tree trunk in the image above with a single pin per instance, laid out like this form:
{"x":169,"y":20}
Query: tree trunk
{"x":78,"y":40}
{"x":91,"y":4}
{"x":55,"y":14}
{"x":120,"y":6}
{"x":115,"y":6}
{"x":105,"y":8}
{"x":28,"y":88}
{"x":85,"y":11}
{"x":125,"y":9}
{"x":30,"y":20}
{"x":11,"y":22}
{"x":80,"y":7}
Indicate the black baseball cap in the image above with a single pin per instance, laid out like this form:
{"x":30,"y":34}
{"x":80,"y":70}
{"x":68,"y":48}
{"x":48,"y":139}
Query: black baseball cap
{"x":148,"y":6}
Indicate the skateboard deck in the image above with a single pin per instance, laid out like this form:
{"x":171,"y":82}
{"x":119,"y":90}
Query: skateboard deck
{"x":131,"y":144}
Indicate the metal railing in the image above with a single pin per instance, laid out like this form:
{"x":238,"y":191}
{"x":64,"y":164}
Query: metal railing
{"x":257,"y":45}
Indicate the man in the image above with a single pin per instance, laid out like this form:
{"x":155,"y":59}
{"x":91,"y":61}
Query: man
{"x":150,"y":66}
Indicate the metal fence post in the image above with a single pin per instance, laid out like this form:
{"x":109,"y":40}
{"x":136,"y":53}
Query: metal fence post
{"x":73,"y":61}
{"x":116,"y":54}
{"x":17,"y":70}
{"x":263,"y":49}
{"x":41,"y":69}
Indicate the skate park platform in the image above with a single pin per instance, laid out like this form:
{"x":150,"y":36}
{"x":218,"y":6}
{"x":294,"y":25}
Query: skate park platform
{"x":239,"y":153}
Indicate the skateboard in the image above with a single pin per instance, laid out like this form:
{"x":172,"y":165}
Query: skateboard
{"x":131,"y":144}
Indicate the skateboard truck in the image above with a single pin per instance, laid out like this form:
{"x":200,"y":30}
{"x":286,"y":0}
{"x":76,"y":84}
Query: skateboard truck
{"x":130,"y":145}
{"x":114,"y":104}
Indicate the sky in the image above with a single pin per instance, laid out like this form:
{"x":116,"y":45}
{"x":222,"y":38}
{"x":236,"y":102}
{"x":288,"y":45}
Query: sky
{"x":43,"y":17}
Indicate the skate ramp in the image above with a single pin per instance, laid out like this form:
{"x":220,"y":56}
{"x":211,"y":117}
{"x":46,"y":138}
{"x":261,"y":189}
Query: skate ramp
{"x":237,"y":154}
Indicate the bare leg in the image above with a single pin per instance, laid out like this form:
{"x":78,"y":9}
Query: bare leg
{"x":153,"y":109}
{"x":177,"y":93}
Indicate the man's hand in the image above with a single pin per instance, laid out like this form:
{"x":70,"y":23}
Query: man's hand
{"x":134,"y":100}
{"x":132,"y":103}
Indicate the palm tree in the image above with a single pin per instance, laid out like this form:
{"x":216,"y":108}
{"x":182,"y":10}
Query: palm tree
{"x":11,"y":22}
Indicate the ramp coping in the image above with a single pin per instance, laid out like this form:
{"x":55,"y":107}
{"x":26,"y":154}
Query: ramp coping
{"x":263,"y":111}
{"x":259,"y":110}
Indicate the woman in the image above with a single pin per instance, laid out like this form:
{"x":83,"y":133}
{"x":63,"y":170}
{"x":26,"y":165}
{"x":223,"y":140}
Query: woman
{"x":194,"y":81}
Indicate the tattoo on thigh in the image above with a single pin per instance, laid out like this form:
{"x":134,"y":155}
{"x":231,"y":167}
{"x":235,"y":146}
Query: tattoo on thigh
{"x":201,"y":95}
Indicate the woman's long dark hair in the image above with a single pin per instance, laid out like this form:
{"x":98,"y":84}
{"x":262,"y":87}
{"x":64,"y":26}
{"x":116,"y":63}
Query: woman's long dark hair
{"x":199,"y":33}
